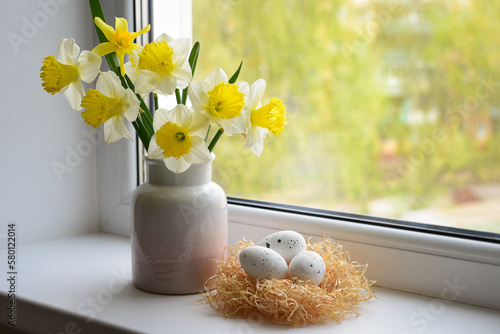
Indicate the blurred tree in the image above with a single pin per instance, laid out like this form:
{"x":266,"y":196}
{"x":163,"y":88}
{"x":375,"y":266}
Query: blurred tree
{"x":383,"y":98}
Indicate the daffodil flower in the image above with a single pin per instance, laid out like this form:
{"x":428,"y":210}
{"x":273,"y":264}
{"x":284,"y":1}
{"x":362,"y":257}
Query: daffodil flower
{"x":119,"y":39}
{"x":220,"y":101}
{"x":65,"y":74}
{"x":161,"y":66}
{"x":108,"y":104}
{"x":262,"y":119}
{"x":178,"y":138}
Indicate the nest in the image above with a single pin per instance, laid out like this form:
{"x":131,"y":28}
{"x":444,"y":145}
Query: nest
{"x":286,"y":301}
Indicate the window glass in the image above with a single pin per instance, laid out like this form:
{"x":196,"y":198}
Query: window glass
{"x":393,"y":106}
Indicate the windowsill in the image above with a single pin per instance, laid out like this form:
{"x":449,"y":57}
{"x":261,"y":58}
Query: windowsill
{"x":63,"y":283}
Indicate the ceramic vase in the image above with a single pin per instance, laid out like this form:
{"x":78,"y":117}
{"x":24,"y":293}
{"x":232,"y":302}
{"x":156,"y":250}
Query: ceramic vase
{"x":179,"y":229}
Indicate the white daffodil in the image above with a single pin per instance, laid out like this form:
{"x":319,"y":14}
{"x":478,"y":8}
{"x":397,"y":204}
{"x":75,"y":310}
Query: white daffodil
{"x":178,"y":138}
{"x":262,"y":119}
{"x":220,"y":101}
{"x":161,"y":66}
{"x":108,"y":104}
{"x":65,"y":74}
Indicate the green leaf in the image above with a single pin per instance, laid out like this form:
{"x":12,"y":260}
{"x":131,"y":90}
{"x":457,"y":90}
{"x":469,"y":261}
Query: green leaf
{"x":193,"y":59}
{"x":193,"y":56}
{"x":235,"y":75}
{"x":142,"y":132}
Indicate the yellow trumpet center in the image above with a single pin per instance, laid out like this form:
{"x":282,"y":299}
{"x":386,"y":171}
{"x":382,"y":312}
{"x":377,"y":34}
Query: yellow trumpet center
{"x":157,"y":57}
{"x":100,"y":107}
{"x":225,"y":101}
{"x":173,"y":140}
{"x":272,"y":116}
{"x":56,"y":75}
{"x":122,"y":38}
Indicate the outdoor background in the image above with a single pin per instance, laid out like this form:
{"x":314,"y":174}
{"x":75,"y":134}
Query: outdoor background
{"x":392,"y":105}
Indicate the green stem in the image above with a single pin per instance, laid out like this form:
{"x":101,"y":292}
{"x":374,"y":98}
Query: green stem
{"x":215,"y":139}
{"x":193,"y":59}
{"x":147,"y":123}
{"x":155,"y":97}
{"x":141,"y":132}
{"x":184,"y":95}
{"x":208,"y":132}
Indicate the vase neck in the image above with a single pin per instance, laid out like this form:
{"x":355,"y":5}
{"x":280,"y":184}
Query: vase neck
{"x":158,"y":173}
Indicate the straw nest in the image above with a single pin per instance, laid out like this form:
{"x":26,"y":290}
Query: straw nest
{"x":290,"y":302}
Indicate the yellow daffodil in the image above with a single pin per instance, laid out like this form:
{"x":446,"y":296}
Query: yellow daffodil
{"x":119,"y":39}
{"x":178,"y":138}
{"x":220,"y":101}
{"x":262,"y":119}
{"x":161,"y":66}
{"x":108,"y":104}
{"x":65,"y":74}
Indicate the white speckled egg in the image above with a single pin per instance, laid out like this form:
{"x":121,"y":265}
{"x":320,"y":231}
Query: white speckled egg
{"x":287,"y":243}
{"x":308,"y":265}
{"x":261,"y":262}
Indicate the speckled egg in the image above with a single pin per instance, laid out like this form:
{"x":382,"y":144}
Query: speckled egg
{"x":287,"y":243}
{"x":308,"y":265}
{"x":264,"y":263}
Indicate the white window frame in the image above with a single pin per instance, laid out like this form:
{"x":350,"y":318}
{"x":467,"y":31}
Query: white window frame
{"x":436,"y":265}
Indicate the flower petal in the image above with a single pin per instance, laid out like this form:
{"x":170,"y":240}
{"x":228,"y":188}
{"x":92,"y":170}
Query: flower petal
{"x":199,"y":152}
{"x":74,"y":94}
{"x":121,"y":23}
{"x":180,"y":115}
{"x":183,"y":75}
{"x":115,"y":129}
{"x":90,"y":64}
{"x":166,"y":85}
{"x":176,"y":165}
{"x":106,"y":29}
{"x":160,"y":118}
{"x":131,"y":71}
{"x":120,"y":53}
{"x":181,"y":50}
{"x":216,"y":76}
{"x":140,"y":32}
{"x":164,"y":37}
{"x":68,"y":51}
{"x":233,"y":125}
{"x":255,"y":95}
{"x":143,"y":85}
{"x":154,"y":151}
{"x":131,"y":105}
{"x":104,"y":48}
{"x":107,"y":82}
{"x":255,"y":139}
{"x":199,"y":124}
{"x":198,"y":95}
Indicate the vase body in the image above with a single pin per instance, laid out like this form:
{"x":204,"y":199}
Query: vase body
{"x":179,"y":228}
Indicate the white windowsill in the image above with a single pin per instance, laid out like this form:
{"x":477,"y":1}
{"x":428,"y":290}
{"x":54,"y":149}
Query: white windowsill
{"x":60,"y":280}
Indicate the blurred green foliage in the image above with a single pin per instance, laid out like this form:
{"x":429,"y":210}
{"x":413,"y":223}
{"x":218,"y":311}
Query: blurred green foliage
{"x":384,"y":98}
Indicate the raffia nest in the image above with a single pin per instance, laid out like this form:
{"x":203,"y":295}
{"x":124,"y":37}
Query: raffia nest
{"x":290,"y":302}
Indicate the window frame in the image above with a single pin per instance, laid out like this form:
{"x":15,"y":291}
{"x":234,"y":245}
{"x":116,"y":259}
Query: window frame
{"x":400,"y":258}
{"x":370,"y":220}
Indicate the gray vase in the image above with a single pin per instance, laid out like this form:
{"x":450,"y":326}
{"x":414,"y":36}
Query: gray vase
{"x":179,"y":229}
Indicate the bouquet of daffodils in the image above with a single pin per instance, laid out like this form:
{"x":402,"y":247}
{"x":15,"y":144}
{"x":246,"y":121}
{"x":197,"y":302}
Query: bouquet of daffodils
{"x":181,"y":136}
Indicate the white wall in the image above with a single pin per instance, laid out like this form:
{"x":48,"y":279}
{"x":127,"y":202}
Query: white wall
{"x":38,"y":130}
